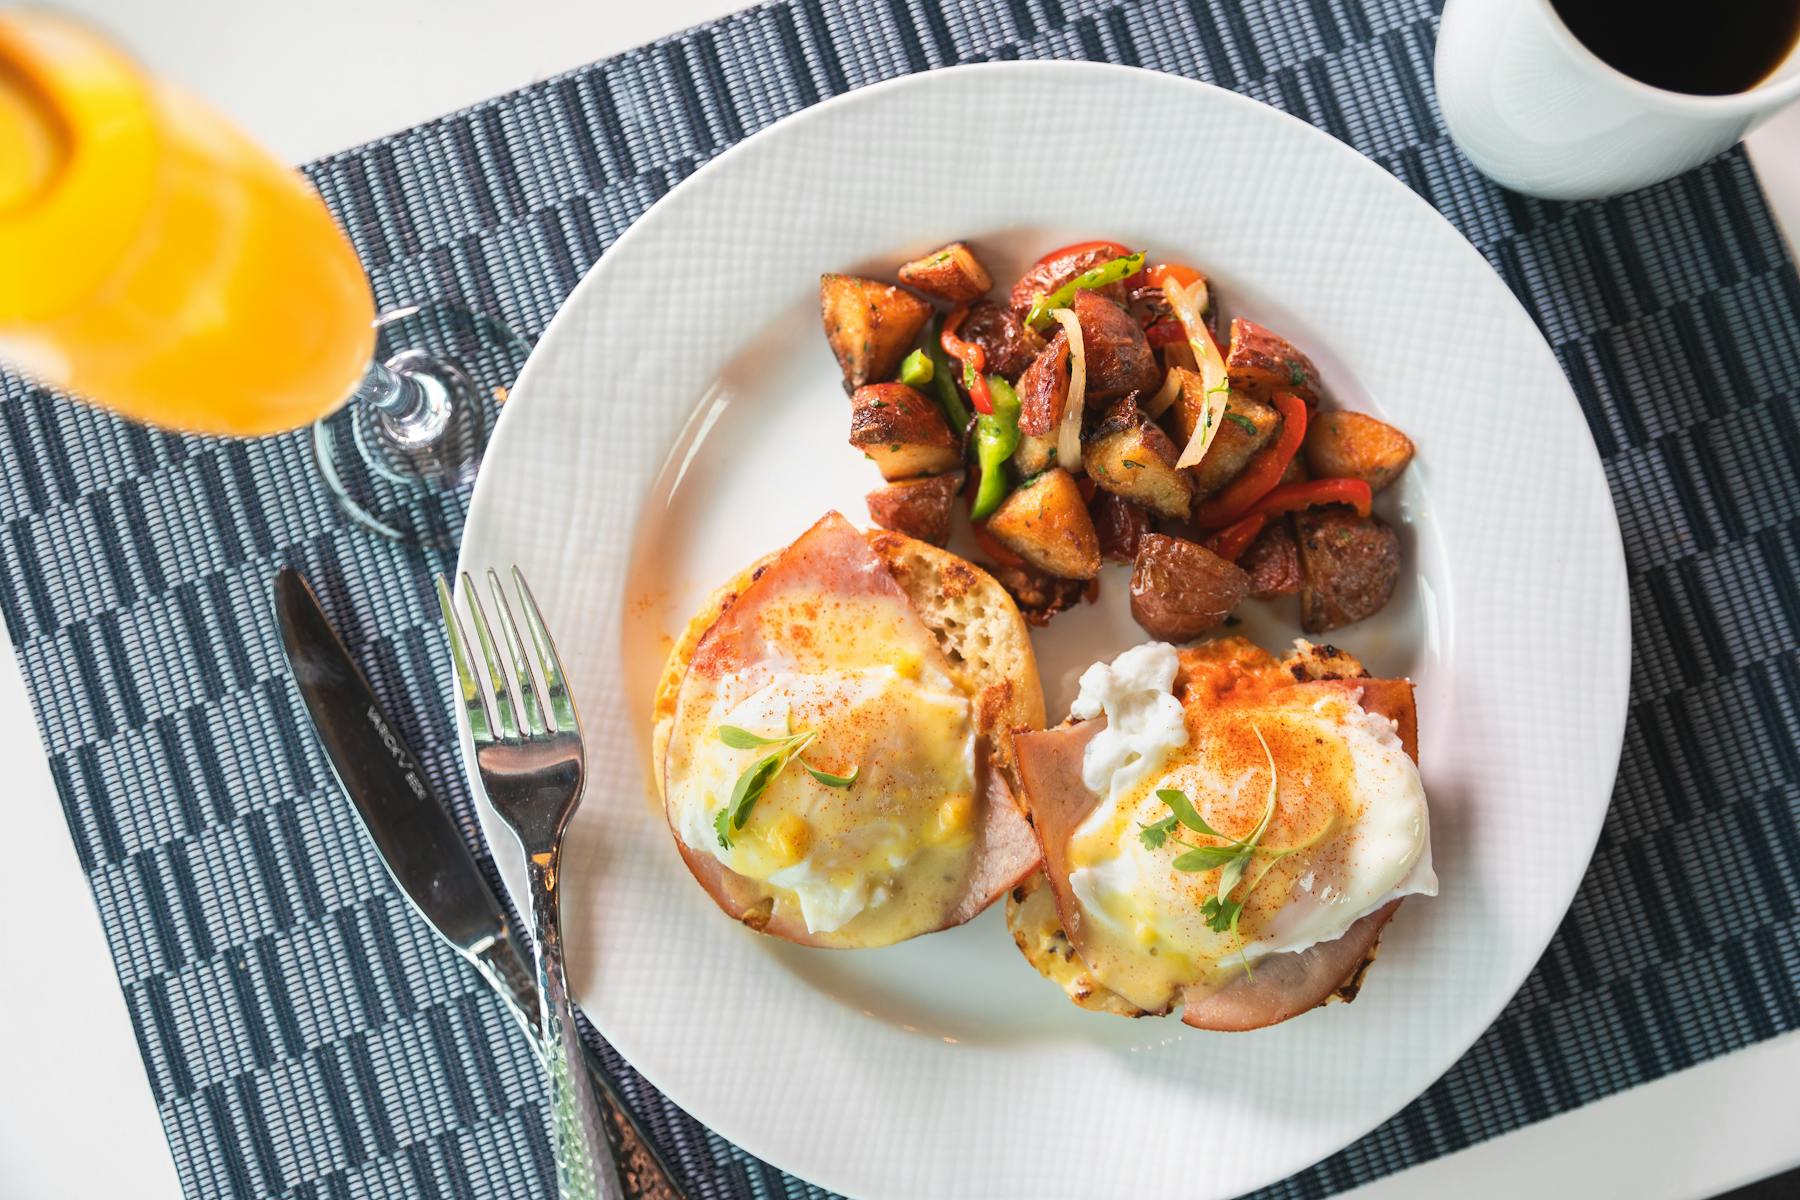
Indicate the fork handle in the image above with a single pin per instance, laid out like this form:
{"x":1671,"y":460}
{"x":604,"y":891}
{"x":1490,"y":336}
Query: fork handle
{"x":585,"y":1169}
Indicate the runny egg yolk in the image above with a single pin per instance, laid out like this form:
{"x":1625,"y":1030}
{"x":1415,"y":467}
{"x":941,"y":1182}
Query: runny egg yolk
{"x":1347,"y":834}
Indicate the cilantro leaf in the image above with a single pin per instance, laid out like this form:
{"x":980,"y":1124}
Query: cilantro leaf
{"x":722,"y":826}
{"x":1153,"y":836}
{"x":1221,"y":915}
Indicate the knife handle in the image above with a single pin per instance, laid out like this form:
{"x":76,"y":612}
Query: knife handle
{"x":643,"y":1170}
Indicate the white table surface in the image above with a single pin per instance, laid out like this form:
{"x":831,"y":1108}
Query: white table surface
{"x":308,"y":79}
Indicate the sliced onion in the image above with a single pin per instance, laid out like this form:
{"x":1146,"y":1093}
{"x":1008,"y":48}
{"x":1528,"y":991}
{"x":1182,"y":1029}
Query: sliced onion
{"x":1068,"y":434}
{"x":1212,"y":371}
{"x":1165,"y":396}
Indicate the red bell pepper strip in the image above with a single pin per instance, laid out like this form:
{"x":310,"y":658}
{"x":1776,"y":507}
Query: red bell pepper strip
{"x":1292,"y":497}
{"x":1181,"y":273}
{"x":1162,"y":333}
{"x":972,"y":357}
{"x":1262,"y":473}
{"x":1231,"y":542}
{"x":1117,"y":249}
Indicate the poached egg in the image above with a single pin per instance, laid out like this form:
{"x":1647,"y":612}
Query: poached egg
{"x":1349,"y":831}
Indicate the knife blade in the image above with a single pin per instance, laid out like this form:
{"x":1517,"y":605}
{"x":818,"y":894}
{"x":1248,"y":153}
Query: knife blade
{"x":421,"y":847}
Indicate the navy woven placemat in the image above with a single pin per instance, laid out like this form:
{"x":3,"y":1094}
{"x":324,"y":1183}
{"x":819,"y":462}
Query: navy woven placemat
{"x":304,"y":1033}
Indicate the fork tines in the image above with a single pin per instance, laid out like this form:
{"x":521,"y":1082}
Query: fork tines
{"x":513,"y":714}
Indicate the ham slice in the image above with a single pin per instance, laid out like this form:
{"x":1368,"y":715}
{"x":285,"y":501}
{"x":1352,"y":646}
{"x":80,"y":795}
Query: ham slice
{"x":1283,"y":985}
{"x":831,"y":564}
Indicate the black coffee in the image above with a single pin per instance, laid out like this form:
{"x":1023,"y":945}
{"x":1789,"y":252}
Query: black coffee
{"x":1704,"y":47}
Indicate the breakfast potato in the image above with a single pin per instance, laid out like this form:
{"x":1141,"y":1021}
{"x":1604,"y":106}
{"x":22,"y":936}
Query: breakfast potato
{"x":1002,"y":335}
{"x":1036,"y":452}
{"x":1046,"y":523}
{"x":1129,"y":454}
{"x":1044,"y":388}
{"x":1273,"y":561}
{"x":1053,"y":272}
{"x":1118,"y":356}
{"x":1180,"y":589}
{"x":904,"y":433}
{"x":1247,"y":425}
{"x":1119,"y":524}
{"x":1348,"y":565}
{"x":870,"y":325}
{"x":919,"y":508}
{"x":1357,"y":445}
{"x":1262,"y":363}
{"x":952,"y":273}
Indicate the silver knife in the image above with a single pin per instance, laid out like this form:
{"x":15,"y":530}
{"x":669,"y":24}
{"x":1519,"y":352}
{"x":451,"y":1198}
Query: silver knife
{"x":422,"y":848}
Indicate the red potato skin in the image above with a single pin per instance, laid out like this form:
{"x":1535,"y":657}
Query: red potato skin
{"x":1120,"y":525}
{"x":1262,"y":362}
{"x":919,"y":508}
{"x":1273,"y":562}
{"x":1052,"y":273}
{"x":1044,"y":388}
{"x":1349,"y":567}
{"x":1119,"y":358}
{"x":1180,"y":589}
{"x":1002,"y":335}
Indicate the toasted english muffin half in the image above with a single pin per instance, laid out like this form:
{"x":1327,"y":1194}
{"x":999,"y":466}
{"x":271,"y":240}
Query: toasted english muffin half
{"x":986,"y":644}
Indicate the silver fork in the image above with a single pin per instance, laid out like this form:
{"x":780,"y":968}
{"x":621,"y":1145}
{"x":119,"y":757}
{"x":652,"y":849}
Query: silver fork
{"x":532,"y":770}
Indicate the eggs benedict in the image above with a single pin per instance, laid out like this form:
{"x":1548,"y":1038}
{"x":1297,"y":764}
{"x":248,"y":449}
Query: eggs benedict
{"x":1221,"y":831}
{"x":834,"y":740}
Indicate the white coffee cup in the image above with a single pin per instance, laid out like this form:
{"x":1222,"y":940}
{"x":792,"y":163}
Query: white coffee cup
{"x":1536,"y":110}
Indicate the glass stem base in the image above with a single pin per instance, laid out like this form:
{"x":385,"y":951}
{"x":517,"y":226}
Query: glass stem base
{"x":401,"y":456}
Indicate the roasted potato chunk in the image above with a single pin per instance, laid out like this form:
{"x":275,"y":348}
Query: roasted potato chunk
{"x":1002,"y":335}
{"x":1180,"y":590}
{"x":1263,"y":363}
{"x":1309,"y":662}
{"x":1129,"y":454}
{"x":1246,"y":427}
{"x":952,"y":273}
{"x":1357,"y":445}
{"x":1273,"y":562}
{"x":870,"y":325}
{"x":1349,"y":565}
{"x":1120,"y":525}
{"x":1044,"y":388}
{"x":1036,"y":452}
{"x":1118,"y":356}
{"x":904,"y":433}
{"x":1046,"y":523}
{"x":919,"y":508}
{"x":1052,"y":273}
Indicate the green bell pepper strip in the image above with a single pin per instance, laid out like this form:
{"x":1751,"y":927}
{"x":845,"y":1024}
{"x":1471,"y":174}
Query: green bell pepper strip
{"x":943,"y":379}
{"x":1107,"y":272}
{"x":996,"y":437}
{"x":916,"y":371}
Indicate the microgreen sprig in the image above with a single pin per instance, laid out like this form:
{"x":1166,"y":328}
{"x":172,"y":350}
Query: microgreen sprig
{"x":760,"y":774}
{"x":1235,"y":856}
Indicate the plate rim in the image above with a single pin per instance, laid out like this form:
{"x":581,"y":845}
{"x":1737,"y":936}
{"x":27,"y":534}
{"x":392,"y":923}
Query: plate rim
{"x":1614,"y":570}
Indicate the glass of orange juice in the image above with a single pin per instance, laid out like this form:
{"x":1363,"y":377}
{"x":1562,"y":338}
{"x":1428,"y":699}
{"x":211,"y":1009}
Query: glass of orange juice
{"x":156,"y":262}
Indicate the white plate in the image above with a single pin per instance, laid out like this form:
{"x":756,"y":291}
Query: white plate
{"x":683,"y":415}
